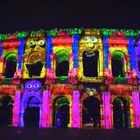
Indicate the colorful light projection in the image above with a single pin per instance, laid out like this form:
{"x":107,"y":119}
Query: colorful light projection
{"x":117,"y":53}
{"x":76,"y":109}
{"x":32,"y":97}
{"x":137,"y":58}
{"x":61,"y":56}
{"x":16,"y":108}
{"x":9,"y":56}
{"x":73,"y":73}
{"x":58,"y":91}
{"x":34,"y":57}
{"x":107,"y":115}
{"x":91,"y":44}
{"x":18,"y":73}
{"x":136,"y":108}
{"x":46,"y":110}
{"x":70,"y":45}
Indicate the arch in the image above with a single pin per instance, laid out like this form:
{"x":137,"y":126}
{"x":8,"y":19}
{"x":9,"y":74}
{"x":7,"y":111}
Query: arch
{"x":121,"y":114}
{"x":61,"y":112}
{"x":90,"y":63}
{"x":31,"y":107}
{"x":10,"y":65}
{"x":32,"y":112}
{"x":118,"y":68}
{"x":91,"y":112}
{"x":6,"y":110}
{"x":62,"y":63}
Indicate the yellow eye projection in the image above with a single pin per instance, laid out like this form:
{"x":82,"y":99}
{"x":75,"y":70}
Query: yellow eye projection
{"x":87,"y":39}
{"x":41,"y":43}
{"x":94,"y":39}
{"x":32,"y":44}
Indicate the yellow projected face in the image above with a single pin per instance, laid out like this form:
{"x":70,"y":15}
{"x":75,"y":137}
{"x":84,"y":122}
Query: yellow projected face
{"x":90,"y":43}
{"x":34,"y":58}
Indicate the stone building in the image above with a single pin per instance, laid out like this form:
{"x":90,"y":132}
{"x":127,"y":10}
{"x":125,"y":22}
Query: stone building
{"x":70,"y":78}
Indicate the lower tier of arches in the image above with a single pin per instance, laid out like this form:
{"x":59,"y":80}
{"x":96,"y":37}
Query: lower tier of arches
{"x":75,"y":110}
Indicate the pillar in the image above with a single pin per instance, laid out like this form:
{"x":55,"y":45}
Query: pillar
{"x":46,"y":111}
{"x":16,"y":109}
{"x":106,"y":110}
{"x":136,"y":108}
{"x":76,"y":109}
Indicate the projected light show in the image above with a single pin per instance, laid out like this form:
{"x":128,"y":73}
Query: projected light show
{"x":70,"y":78}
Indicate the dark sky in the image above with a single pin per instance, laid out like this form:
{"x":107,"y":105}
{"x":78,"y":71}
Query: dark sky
{"x":47,"y":14}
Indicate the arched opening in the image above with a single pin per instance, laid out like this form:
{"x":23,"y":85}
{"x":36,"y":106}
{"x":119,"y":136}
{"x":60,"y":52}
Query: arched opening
{"x":62,"y":63}
{"x":32,"y":112}
{"x":11,"y":64}
{"x":91,"y":112}
{"x":120,"y":113}
{"x":61,"y":113}
{"x":34,"y":64}
{"x":90,"y":64}
{"x":6,"y":108}
{"x":118,"y":64}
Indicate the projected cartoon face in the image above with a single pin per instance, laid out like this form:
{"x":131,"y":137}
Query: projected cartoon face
{"x":90,"y":43}
{"x":32,"y":86}
{"x":35,"y":56}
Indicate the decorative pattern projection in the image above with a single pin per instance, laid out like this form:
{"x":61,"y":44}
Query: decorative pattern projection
{"x":38,"y":66}
{"x":34,"y":57}
{"x":32,"y":97}
{"x":131,"y":52}
{"x":76,"y":109}
{"x":16,"y":109}
{"x":106,"y":52}
{"x":90,"y":57}
{"x":46,"y":111}
{"x":107,"y":117}
{"x":136,"y":108}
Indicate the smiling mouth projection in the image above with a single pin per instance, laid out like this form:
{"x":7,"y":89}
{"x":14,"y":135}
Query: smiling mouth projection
{"x":35,"y":64}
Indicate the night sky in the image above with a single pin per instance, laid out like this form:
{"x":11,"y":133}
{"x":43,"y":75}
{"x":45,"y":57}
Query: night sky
{"x":49,"y":14}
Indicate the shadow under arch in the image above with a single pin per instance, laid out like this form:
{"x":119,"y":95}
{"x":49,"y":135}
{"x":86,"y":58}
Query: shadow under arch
{"x":62,"y":63}
{"x":61,"y":112}
{"x":31,"y":111}
{"x":117,"y":62}
{"x":121,"y":114}
{"x":91,"y":112}
{"x":90,"y":63}
{"x":11,"y":65}
{"x":6,"y":110}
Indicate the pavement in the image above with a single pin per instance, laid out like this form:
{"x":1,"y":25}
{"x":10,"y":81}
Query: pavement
{"x":11,"y":133}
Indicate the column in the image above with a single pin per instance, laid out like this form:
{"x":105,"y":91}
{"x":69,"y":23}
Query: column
{"x":1,"y":61}
{"x":76,"y":109}
{"x":16,"y":109}
{"x":106,"y":110}
{"x":46,"y":111}
{"x":136,"y":108}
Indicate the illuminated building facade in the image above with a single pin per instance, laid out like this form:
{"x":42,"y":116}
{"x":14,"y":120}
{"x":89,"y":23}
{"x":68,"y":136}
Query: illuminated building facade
{"x":70,"y":78}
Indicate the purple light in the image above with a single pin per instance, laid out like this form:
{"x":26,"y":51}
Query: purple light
{"x":16,"y":109}
{"x":46,"y":122}
{"x":136,"y":108}
{"x":76,"y":109}
{"x":107,"y":117}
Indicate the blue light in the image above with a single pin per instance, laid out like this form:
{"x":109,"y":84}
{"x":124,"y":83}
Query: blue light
{"x":20,"y":53}
{"x":0,"y":48}
{"x":75,"y":50}
{"x":49,"y":50}
{"x":131,"y":52}
{"x":106,"y":52}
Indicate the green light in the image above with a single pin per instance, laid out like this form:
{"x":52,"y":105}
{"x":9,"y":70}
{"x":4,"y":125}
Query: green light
{"x":11,"y":57}
{"x":22,"y":34}
{"x":62,"y":101}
